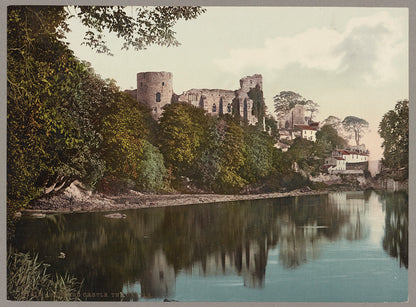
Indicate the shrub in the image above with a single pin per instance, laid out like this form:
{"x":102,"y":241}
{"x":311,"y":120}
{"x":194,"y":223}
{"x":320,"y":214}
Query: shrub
{"x":27,"y":279}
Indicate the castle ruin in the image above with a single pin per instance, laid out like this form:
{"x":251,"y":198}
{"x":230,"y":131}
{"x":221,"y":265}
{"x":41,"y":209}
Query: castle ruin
{"x":155,"y":89}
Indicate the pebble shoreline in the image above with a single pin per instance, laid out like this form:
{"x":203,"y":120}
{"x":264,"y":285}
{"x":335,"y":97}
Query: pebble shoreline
{"x":93,"y":203}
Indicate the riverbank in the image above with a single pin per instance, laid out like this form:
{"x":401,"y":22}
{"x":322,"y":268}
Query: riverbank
{"x":76,"y":199}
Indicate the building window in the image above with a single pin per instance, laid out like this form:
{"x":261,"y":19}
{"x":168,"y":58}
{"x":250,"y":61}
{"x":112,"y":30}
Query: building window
{"x":214,"y":108}
{"x":141,"y":84}
{"x":229,"y":108}
{"x":157,"y":97}
{"x":163,"y":83}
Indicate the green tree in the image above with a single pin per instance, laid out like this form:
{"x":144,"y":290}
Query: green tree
{"x":356,"y":127}
{"x":124,"y":134}
{"x":49,"y":138}
{"x":258,"y":154}
{"x":307,"y":154}
{"x":182,"y":130}
{"x":394,"y":129}
{"x":53,"y":110}
{"x":207,"y":166}
{"x":231,"y":153}
{"x":312,"y":107}
{"x":271,"y":127}
{"x":139,"y":27}
{"x":287,"y":100}
{"x":259,"y":107}
{"x":328,"y":137}
{"x":152,"y":171}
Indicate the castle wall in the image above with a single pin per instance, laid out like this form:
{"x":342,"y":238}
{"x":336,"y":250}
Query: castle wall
{"x":250,"y":82}
{"x":155,"y":89}
{"x":213,"y":101}
{"x":245,"y":103}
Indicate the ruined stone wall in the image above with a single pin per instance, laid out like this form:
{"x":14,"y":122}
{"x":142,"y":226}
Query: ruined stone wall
{"x":296,"y":116}
{"x":250,"y":82}
{"x":213,"y":101}
{"x":244,"y":102}
{"x":155,"y":89}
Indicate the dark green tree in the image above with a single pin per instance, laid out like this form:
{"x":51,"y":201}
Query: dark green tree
{"x":231,"y":152}
{"x":138,"y":27}
{"x":394,"y":129}
{"x":258,"y":154}
{"x":271,"y":127}
{"x":152,"y":171}
{"x":259,"y":107}
{"x":287,"y":100}
{"x":49,"y":136}
{"x":328,"y":137}
{"x":355,"y":126}
{"x":55,"y":104}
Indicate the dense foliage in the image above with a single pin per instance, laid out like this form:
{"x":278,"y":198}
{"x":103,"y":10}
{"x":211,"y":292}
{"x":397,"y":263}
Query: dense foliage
{"x":329,"y":139}
{"x":66,"y":123}
{"x":394,"y":129}
{"x":63,"y":121}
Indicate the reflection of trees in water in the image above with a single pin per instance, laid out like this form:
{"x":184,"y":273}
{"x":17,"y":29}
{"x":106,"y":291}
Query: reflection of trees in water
{"x":151,"y":246}
{"x":396,"y":239}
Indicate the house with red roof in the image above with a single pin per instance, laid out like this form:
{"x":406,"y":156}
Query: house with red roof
{"x":308,"y":131}
{"x":353,"y":159}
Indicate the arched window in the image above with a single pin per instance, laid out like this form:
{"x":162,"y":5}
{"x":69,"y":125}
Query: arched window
{"x":157,"y":97}
{"x":163,"y":83}
{"x":214,"y":108}
{"x":229,"y":108}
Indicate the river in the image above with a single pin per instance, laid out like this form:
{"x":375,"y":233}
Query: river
{"x":340,"y":247}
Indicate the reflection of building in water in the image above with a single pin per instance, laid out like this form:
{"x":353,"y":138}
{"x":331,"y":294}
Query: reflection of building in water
{"x":297,"y":244}
{"x":248,"y":260}
{"x":355,"y":205}
{"x":158,"y":279}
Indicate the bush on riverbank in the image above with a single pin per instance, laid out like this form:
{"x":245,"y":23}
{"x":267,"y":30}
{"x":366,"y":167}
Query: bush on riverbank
{"x":27,"y":279}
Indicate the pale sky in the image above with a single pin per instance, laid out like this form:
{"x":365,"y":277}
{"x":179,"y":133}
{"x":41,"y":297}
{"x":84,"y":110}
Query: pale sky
{"x":351,"y":61}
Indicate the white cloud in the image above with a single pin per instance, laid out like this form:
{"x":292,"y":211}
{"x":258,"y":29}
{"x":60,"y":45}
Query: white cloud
{"x":365,"y":49}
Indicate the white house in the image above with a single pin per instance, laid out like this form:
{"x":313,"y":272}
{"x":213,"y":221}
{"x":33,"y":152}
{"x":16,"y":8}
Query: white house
{"x":351,"y":156}
{"x":335,"y":164}
{"x":350,"y":160}
{"x":308,"y":132}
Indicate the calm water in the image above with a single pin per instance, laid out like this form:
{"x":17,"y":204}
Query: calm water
{"x":339,"y":247}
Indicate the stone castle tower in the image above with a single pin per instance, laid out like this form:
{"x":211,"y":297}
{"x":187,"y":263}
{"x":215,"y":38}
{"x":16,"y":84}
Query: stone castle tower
{"x":155,"y":89}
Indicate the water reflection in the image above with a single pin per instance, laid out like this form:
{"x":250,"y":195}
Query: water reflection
{"x":143,"y":254}
{"x":396,"y":240}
